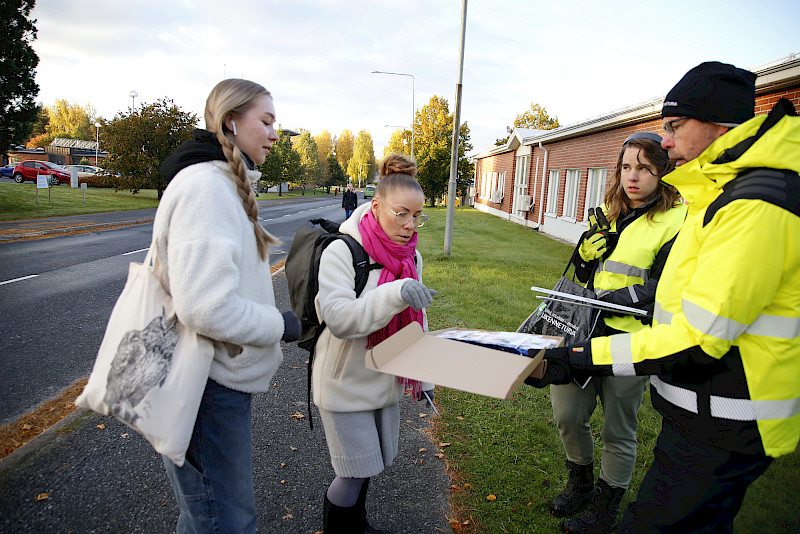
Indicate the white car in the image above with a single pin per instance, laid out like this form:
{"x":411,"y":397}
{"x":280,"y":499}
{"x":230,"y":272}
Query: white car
{"x":84,"y":170}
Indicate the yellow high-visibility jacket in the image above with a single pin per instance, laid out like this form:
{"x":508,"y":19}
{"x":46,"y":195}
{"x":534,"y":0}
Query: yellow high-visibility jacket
{"x":639,"y":249}
{"x":724,"y":348}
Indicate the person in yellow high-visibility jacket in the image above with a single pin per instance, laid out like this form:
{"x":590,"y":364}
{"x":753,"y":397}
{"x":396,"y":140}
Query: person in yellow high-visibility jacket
{"x":621,"y":258}
{"x":724,"y":349}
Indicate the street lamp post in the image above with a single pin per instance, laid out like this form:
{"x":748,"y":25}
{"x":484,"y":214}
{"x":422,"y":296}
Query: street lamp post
{"x":97,"y":144}
{"x":359,"y":173}
{"x":133,"y":95}
{"x":413,"y":107}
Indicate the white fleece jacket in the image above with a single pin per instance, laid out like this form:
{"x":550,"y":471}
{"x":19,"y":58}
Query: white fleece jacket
{"x":340,"y":380}
{"x":208,"y":259}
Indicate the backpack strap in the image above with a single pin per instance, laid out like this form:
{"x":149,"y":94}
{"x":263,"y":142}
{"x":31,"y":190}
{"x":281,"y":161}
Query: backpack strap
{"x":362,"y":267}
{"x":779,"y":187}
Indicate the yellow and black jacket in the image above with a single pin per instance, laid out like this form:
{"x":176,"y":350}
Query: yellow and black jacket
{"x":724,"y":348}
{"x":629,"y":275}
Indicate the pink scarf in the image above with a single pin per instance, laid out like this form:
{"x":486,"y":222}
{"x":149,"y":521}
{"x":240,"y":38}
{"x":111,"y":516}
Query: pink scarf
{"x":398,"y":263}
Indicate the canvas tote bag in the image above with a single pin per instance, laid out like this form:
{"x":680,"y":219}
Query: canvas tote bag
{"x":573,"y":322}
{"x":151,"y":370}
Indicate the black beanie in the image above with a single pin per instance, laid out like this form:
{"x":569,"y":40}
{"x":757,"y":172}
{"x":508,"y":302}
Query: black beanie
{"x":713,"y":92}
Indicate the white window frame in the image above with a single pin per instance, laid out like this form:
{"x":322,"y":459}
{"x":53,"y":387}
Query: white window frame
{"x":595,"y":189}
{"x":552,"y":191}
{"x":572,"y":182}
{"x":522,"y":201}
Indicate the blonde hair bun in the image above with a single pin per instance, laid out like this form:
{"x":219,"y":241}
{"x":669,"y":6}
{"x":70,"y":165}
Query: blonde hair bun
{"x":398,"y":164}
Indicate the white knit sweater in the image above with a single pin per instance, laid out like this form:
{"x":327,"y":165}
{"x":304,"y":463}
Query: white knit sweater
{"x":341,"y":382}
{"x":208,"y":259}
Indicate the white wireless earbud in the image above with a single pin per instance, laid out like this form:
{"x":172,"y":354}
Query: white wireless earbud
{"x":233,"y":123}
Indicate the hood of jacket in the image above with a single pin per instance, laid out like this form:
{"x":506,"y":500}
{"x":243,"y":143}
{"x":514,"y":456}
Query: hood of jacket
{"x":203,"y":147}
{"x":701,"y":180}
{"x":350,"y":226}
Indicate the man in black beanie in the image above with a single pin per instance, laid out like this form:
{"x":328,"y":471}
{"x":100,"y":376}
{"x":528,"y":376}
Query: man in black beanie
{"x":724,"y":349}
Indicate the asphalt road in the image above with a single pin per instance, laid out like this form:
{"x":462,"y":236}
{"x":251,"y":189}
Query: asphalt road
{"x":56,"y":294}
{"x":110,"y":480}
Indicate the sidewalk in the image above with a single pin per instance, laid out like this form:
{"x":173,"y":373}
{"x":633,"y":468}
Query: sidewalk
{"x":110,"y":479}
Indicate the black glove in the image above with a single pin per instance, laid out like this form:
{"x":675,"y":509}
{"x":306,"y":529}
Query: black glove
{"x":557,"y":371}
{"x":291,"y":327}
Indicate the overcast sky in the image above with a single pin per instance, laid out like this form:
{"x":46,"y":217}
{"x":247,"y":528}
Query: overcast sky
{"x":578,"y":59}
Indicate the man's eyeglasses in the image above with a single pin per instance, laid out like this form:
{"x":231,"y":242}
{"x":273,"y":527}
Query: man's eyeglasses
{"x":669,"y":127}
{"x":402,"y":217}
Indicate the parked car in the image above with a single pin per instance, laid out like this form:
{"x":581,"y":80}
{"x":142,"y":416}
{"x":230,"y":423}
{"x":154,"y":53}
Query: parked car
{"x":7,"y":171}
{"x":28,"y":170}
{"x":369,"y":191}
{"x":84,"y":171}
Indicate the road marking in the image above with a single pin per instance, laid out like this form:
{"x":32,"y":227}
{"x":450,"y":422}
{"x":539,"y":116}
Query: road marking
{"x":135,"y":251}
{"x":19,"y":279}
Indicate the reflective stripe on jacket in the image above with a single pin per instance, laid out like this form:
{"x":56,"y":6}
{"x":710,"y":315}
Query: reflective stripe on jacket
{"x":630,"y":262}
{"x":725,"y":344}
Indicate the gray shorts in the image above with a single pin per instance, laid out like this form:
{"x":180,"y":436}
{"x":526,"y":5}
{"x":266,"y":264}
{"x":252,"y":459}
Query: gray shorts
{"x":362,"y":444}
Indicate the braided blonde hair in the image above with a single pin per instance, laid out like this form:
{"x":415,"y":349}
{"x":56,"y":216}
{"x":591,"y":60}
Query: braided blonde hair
{"x":235,"y":96}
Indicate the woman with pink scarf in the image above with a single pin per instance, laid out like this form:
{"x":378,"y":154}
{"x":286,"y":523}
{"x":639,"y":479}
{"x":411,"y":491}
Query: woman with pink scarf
{"x":359,"y":407}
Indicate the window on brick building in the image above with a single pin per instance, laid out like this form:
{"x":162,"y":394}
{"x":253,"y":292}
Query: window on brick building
{"x":498,"y":187}
{"x":595,"y":190}
{"x":571,"y":193}
{"x":552,"y":192}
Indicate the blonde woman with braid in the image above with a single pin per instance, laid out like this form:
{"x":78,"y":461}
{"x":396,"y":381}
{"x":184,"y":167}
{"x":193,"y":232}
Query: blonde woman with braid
{"x":214,"y":256}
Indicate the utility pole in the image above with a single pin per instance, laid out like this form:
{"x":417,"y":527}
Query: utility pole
{"x":451,"y":186}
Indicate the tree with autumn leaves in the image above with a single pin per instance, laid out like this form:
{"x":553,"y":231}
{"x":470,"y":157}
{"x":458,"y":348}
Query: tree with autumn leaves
{"x":433,"y":139}
{"x":535,"y":118}
{"x":139,"y":141}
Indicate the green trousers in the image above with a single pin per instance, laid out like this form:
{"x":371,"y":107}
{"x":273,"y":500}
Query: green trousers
{"x":621,"y":397}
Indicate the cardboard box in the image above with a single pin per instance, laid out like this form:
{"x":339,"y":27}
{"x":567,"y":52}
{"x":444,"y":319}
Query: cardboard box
{"x":445,"y":362}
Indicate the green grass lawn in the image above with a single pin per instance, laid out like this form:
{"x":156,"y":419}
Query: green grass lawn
{"x":18,"y":201}
{"x":511,"y":449}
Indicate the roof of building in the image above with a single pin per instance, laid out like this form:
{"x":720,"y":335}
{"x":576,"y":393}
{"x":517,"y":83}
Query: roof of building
{"x":74,"y":143}
{"x":771,"y":76}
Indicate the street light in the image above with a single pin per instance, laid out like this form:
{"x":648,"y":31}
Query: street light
{"x":359,"y":173}
{"x":413,"y":107}
{"x":97,"y":144}
{"x":133,"y":95}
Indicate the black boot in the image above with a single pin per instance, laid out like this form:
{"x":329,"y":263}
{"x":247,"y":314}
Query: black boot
{"x":601,"y":515}
{"x":341,"y":520}
{"x":362,"y":506}
{"x":577,"y":493}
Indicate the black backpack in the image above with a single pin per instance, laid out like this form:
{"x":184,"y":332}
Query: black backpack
{"x":302,"y":271}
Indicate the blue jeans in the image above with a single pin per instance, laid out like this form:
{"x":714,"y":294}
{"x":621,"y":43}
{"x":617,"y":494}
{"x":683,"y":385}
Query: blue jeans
{"x":691,"y":487}
{"x":348,"y":213}
{"x":214,"y":487}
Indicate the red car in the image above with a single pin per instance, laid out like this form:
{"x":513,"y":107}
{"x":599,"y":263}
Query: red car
{"x":28,"y":170}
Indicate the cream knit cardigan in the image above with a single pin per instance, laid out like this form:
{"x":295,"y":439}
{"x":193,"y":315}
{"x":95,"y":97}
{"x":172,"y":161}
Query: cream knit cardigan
{"x":208,"y":260}
{"x":340,"y":380}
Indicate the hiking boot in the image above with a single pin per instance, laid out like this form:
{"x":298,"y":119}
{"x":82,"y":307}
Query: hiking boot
{"x":601,"y":515}
{"x":577,"y":493}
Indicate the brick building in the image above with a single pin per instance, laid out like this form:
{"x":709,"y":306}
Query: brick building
{"x":62,"y":152}
{"x":548,"y":179}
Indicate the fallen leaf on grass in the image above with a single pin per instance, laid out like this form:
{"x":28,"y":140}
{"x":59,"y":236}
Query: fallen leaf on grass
{"x":491,"y":497}
{"x":444,"y":445}
{"x":125,"y":435}
{"x":101,"y":426}
{"x":297,"y":415}
{"x":26,"y":427}
{"x":455,"y":524}
{"x":423,"y":449}
{"x":467,"y":485}
{"x":288,"y":516}
{"x":42,"y":497}
{"x":409,"y":421}
{"x":460,"y":418}
{"x":440,"y":455}
{"x":423,"y":415}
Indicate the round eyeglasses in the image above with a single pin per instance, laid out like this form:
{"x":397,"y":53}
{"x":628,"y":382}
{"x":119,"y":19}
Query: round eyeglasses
{"x":402,"y":217}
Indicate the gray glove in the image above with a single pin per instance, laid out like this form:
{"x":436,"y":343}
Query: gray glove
{"x":291,"y":326}
{"x":416,"y":295}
